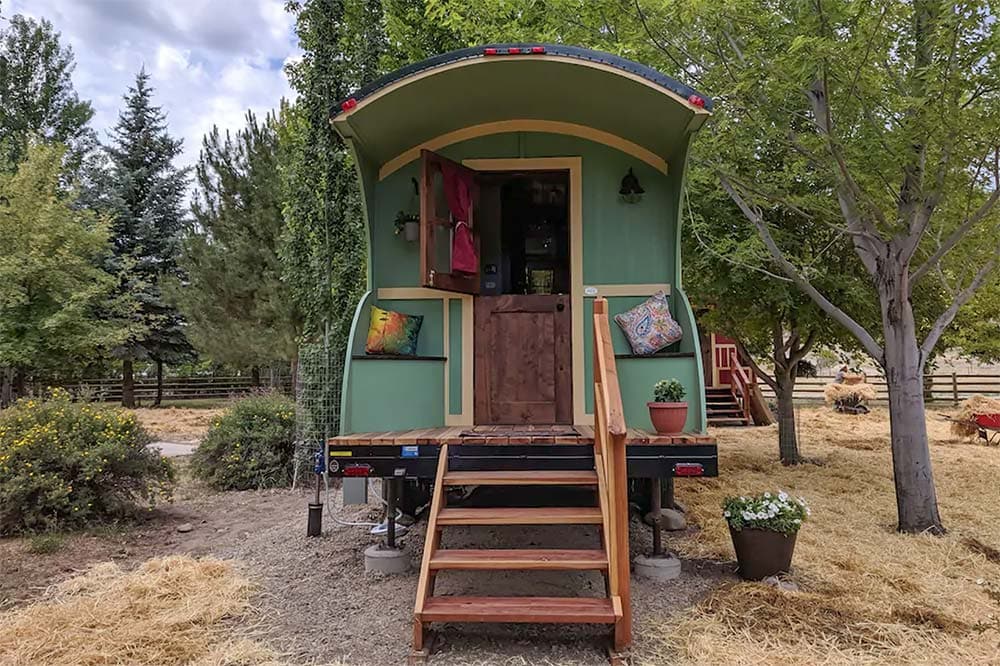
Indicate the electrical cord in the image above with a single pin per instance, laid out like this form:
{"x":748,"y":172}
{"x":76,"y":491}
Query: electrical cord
{"x":348,"y":523}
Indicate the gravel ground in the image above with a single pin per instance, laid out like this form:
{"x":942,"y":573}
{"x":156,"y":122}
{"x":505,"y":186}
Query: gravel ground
{"x":319,"y":606}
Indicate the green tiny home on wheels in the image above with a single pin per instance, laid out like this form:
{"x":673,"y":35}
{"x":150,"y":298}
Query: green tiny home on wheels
{"x":517,"y":197}
{"x":575,"y":161}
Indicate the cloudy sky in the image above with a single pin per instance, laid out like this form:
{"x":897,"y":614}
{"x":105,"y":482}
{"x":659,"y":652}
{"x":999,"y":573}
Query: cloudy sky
{"x":210,"y":60}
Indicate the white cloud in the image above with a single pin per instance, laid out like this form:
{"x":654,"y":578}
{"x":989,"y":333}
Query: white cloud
{"x":209,"y":60}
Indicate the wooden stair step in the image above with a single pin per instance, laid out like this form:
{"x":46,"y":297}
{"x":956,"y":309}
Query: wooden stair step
{"x":584,"y":610}
{"x":523,"y":559}
{"x":524,"y":478}
{"x":549,"y":515}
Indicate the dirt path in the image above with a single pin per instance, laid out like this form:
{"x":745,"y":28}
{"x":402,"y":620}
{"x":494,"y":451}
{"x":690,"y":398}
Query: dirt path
{"x":317,"y":604}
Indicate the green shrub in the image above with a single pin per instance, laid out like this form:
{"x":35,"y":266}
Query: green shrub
{"x":249,"y":446}
{"x":45,"y":543}
{"x":668,"y":390}
{"x":65,"y":465}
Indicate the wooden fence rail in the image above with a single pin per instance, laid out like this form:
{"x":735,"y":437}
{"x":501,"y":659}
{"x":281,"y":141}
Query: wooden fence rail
{"x":174,"y":388}
{"x":952,"y":388}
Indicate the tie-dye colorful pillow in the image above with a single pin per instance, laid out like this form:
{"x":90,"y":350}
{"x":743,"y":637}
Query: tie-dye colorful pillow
{"x":649,"y":326}
{"x":393,"y":333}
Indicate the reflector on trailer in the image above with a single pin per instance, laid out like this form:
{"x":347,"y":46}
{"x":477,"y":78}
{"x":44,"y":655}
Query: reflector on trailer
{"x":688,"y":469}
{"x":348,"y":104}
{"x":489,"y":51}
{"x":357,"y":470}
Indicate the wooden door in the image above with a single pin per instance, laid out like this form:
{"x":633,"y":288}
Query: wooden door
{"x":523,"y":360}
{"x":437,"y":226}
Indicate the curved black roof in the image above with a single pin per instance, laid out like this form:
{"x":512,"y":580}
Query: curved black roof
{"x":580,"y":53}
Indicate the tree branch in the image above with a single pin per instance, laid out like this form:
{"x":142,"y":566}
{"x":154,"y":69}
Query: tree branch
{"x":841,"y":317}
{"x":955,"y":237}
{"x":960,"y":299}
{"x":769,"y":380}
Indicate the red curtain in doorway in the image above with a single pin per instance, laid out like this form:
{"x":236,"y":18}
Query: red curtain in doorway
{"x":458,"y":185}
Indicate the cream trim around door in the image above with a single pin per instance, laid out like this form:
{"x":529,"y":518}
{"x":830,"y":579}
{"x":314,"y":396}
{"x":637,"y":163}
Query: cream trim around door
{"x":575,"y":167}
{"x":525,"y":125}
{"x":611,"y":290}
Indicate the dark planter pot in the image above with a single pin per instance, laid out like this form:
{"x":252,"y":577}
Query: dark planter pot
{"x":411,"y":231}
{"x":762,"y":553}
{"x":668,"y":417}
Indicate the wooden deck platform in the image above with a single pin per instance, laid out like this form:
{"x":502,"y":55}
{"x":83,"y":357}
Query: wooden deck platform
{"x":508,"y":434}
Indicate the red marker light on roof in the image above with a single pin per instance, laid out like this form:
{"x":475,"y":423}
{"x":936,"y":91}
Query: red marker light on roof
{"x":490,"y":51}
{"x":513,"y":50}
{"x":538,"y":49}
{"x":348,"y":104}
{"x":697,"y":101}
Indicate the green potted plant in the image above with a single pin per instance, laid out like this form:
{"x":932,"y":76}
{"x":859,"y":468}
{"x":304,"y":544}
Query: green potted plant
{"x":763,"y":529}
{"x":407,"y":224}
{"x":668,"y":411}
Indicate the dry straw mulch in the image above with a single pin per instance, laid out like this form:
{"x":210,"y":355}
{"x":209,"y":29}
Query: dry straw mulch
{"x":867,"y":593}
{"x":858,"y":392}
{"x":964,"y":424}
{"x":178,"y":423}
{"x":172,"y":610}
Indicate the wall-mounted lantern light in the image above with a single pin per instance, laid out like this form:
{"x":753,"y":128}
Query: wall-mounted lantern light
{"x":631,"y":191}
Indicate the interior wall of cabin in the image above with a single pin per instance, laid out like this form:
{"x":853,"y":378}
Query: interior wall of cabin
{"x":623,"y":244}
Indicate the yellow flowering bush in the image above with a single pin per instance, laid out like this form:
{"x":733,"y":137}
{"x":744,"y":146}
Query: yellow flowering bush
{"x":65,"y":465}
{"x":250,"y":445}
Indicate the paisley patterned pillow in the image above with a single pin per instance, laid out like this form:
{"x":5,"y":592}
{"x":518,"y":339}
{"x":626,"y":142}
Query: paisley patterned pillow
{"x":393,"y":333}
{"x":649,"y":326}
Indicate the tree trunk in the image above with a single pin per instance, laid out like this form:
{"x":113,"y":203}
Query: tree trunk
{"x":255,"y":376}
{"x":788,"y":443}
{"x":916,"y":499}
{"x":20,"y":383}
{"x":159,"y":384}
{"x":6,"y":387}
{"x":128,"y":384}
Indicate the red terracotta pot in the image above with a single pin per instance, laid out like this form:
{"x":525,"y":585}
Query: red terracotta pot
{"x":668,"y":417}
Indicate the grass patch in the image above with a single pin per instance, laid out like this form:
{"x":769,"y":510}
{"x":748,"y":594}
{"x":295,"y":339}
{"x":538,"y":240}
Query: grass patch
{"x":45,"y":543}
{"x":867,"y":593}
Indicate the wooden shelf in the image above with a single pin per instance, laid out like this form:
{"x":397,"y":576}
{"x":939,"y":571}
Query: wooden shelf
{"x":395,"y":357}
{"x":676,"y":354}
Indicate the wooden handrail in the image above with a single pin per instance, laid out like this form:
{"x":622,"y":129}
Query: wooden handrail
{"x":610,"y":459}
{"x":742,"y":382}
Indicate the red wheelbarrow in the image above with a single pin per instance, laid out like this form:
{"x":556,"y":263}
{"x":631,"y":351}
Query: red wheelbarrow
{"x":989,"y":427}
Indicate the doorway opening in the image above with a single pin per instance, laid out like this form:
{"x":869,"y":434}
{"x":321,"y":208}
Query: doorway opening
{"x":524,"y":227}
{"x":523,"y":351}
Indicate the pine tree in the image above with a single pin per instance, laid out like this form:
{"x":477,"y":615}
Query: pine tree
{"x":37,"y":99}
{"x":233,"y":297}
{"x":144,"y":191}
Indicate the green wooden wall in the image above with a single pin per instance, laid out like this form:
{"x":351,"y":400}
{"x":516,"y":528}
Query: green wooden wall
{"x":623,"y":244}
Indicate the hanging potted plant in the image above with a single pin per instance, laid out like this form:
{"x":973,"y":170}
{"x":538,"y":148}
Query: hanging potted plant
{"x":408,"y":224}
{"x":668,"y":411}
{"x":763,"y":529}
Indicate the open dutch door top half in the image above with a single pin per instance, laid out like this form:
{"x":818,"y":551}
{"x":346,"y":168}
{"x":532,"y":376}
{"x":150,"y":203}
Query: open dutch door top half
{"x":449,"y":236}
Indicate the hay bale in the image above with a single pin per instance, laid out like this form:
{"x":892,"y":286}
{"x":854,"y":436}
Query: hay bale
{"x":850,"y":393}
{"x":169,"y":611}
{"x":978,"y":405}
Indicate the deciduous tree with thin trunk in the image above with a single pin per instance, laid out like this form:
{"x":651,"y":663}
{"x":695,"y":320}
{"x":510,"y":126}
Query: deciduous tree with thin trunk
{"x":895,"y":108}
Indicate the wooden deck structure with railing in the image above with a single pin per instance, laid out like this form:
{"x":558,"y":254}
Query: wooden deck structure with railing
{"x":608,"y":478}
